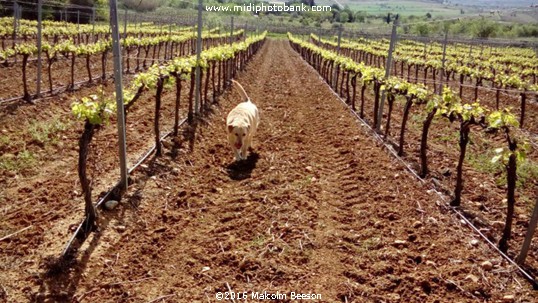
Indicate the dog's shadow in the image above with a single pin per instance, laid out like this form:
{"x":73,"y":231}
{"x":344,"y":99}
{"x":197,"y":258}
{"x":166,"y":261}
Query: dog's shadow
{"x":240,"y":170}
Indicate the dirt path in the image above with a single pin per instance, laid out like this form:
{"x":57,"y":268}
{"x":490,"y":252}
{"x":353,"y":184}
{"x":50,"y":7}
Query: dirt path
{"x":318,"y":208}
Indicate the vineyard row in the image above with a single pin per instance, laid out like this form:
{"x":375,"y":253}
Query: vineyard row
{"x":343,"y":74}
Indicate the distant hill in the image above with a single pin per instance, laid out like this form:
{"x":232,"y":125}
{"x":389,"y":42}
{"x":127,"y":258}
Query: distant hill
{"x":516,"y":11}
{"x":403,"y":7}
{"x":495,"y":3}
{"x":473,"y":3}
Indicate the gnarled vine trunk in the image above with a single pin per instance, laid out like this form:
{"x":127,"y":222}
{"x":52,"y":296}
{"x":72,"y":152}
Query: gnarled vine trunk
{"x":424,"y":144}
{"x":363,"y":88}
{"x":511,"y":177}
{"x":354,"y":87}
{"x":89,"y":223}
{"x":377,"y":86}
{"x":26,"y":96}
{"x":464,"y":140}
{"x":390,"y":101}
{"x":158,"y":148}
{"x":178,"y":98}
{"x":523,"y":105}
{"x":191,"y":95}
{"x":407,"y":108}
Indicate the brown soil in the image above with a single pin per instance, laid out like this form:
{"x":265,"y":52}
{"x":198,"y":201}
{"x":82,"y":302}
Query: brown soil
{"x":318,"y":207}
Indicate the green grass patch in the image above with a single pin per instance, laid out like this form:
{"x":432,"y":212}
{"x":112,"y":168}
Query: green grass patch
{"x":302,"y":183}
{"x":415,"y":122}
{"x":481,"y":162}
{"x":259,"y":241}
{"x":23,"y":160}
{"x":44,"y":132}
{"x":527,"y":171}
{"x":370,"y":244}
{"x":4,"y":140}
{"x":450,"y":137}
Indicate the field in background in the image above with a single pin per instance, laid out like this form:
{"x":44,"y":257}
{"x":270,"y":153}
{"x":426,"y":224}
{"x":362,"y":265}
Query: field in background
{"x":404,"y":7}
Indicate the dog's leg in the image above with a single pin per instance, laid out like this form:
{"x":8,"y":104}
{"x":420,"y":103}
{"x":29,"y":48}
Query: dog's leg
{"x":244,"y":149}
{"x":246,"y":145}
{"x":250,"y":137}
{"x":237,"y":154}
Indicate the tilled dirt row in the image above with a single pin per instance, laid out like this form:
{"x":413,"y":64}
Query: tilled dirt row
{"x":317,"y":208}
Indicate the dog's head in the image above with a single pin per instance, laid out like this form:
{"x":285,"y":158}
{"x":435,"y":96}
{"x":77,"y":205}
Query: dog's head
{"x":237,"y":135}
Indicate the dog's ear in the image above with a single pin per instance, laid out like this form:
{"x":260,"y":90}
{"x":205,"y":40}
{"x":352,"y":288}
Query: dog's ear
{"x":230,"y":128}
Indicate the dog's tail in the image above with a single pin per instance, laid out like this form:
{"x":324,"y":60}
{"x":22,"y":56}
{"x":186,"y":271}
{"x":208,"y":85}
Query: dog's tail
{"x":241,"y":90}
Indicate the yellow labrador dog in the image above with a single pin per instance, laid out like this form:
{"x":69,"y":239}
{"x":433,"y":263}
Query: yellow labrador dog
{"x":241,"y":124}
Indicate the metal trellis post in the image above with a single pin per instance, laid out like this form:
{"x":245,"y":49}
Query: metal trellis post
{"x":15,"y":15}
{"x":93,"y":22}
{"x":440,"y":91}
{"x":471,"y":50}
{"x":232,"y":30}
{"x":198,"y":79}
{"x":39,"y":17}
{"x":338,"y":52}
{"x":119,"y":92}
{"x":125,"y":25}
{"x":231,"y":42}
{"x":393,"y":38}
{"x":19,"y":15}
